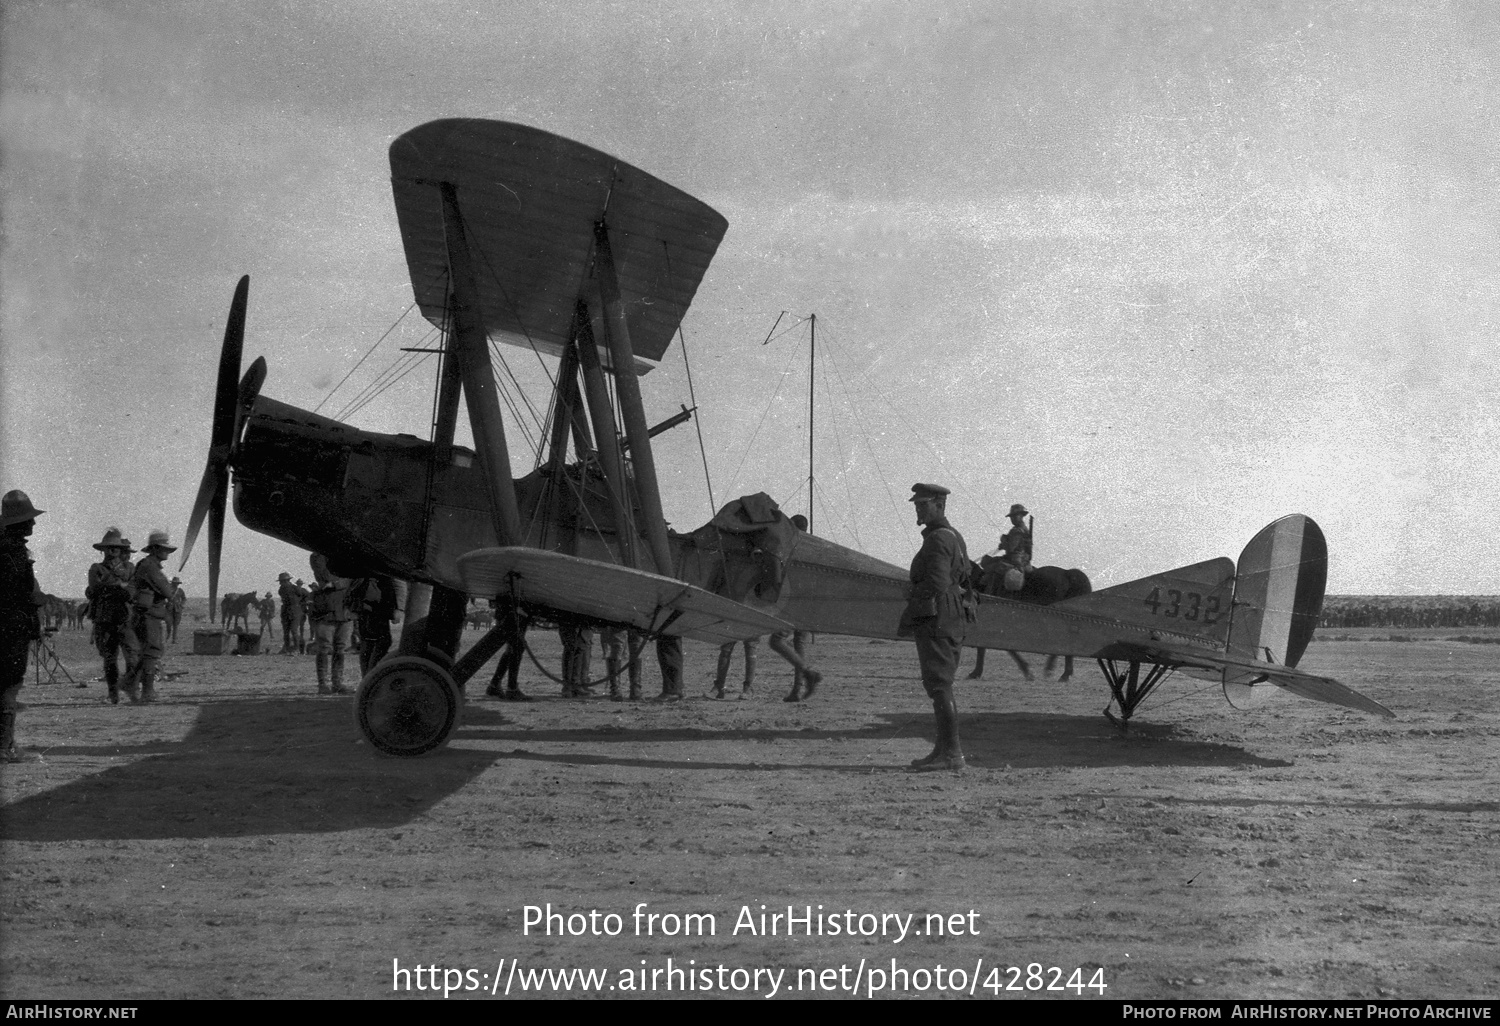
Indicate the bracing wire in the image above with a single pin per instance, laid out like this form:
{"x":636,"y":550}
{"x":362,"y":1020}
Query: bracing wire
{"x":391,"y":375}
{"x":410,"y":363}
{"x":692,"y":395}
{"x":697,"y":422}
{"x":362,"y":359}
{"x":399,"y":367}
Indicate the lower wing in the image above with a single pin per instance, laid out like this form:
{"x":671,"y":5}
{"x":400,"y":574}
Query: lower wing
{"x":611,"y":593}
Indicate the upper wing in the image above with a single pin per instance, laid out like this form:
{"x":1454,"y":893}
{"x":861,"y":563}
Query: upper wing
{"x":611,"y":593}
{"x":529,"y":201}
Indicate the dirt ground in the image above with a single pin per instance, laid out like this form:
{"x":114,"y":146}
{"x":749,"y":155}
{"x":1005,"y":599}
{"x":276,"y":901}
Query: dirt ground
{"x":238,"y":840}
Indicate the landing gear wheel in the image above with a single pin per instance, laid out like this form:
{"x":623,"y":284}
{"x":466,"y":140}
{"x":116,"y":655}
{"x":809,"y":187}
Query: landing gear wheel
{"x":407,"y":706}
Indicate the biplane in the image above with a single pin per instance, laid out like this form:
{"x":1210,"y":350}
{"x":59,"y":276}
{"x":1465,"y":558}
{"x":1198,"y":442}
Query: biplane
{"x":516,"y":236}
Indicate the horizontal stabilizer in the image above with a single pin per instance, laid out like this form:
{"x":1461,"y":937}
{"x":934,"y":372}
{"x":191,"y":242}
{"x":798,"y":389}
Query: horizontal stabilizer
{"x":610,"y":593}
{"x":1298,"y":682}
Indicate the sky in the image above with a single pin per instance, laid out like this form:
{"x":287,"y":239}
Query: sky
{"x":1162,"y":272}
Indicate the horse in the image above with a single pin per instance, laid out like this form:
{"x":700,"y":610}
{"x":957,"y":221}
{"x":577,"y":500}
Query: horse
{"x":1040,"y":585}
{"x":234,"y":608}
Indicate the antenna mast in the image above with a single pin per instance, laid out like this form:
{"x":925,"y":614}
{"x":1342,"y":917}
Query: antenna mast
{"x":812,"y":370}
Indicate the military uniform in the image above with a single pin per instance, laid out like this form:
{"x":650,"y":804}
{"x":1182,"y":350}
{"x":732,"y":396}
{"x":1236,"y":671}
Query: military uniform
{"x":937,"y":613}
{"x":152,"y":606}
{"x":505,"y":683}
{"x":21,"y":600}
{"x":174,"y":613}
{"x":622,"y":650}
{"x":1016,"y":543}
{"x":379,"y":601}
{"x":109,"y":601}
{"x":291,"y":614}
{"x":332,"y":625}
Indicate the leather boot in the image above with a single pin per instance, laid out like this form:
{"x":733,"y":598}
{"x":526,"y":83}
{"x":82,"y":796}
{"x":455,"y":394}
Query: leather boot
{"x":148,"y":688}
{"x":937,"y":745}
{"x":112,"y":681}
{"x":612,"y":671}
{"x":946,"y":754}
{"x":321,"y":663}
{"x":721,"y":673}
{"x":338,"y":676}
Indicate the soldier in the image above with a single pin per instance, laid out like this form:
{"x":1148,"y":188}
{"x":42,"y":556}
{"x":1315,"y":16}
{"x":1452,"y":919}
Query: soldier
{"x":622,"y":650}
{"x":303,"y":596}
{"x":505,"y":683}
{"x":669,"y":658}
{"x":1015,"y":544}
{"x":726,"y":656}
{"x":291,"y":612}
{"x":939,"y":607}
{"x":578,"y":649}
{"x":179,"y":603}
{"x":109,"y":594}
{"x":267,"y":609}
{"x":332,"y":625}
{"x":378,"y":602}
{"x":152,"y":604}
{"x":21,"y":601}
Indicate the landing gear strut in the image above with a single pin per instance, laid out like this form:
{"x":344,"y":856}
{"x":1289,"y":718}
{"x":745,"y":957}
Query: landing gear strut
{"x":1129,"y":687}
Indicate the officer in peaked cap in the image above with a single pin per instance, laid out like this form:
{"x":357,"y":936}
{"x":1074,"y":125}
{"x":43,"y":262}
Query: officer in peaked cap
{"x":108,"y":594}
{"x":153,"y":605}
{"x":939,"y":607}
{"x":20,"y":618}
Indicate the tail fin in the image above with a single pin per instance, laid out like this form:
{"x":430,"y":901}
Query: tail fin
{"x":1278,"y":598}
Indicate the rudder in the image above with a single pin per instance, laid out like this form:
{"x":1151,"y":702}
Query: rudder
{"x":1278,"y":599}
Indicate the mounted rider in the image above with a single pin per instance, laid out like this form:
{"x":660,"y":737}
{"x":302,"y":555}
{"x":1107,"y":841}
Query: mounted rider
{"x":1006,"y":568}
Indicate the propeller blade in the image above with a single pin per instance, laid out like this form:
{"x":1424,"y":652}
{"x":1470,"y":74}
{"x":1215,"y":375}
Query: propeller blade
{"x":213,"y":492}
{"x":250,"y":386}
{"x":226,"y":396}
{"x":212,"y":481}
{"x":216,"y":541}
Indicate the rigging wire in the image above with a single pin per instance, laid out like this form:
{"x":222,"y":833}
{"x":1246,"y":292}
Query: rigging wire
{"x":362,"y":359}
{"x":399,"y":367}
{"x":511,"y":403}
{"x":692,"y":395}
{"x":409,"y":363}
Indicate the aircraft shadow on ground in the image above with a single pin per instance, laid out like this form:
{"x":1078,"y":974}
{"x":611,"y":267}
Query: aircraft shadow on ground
{"x":251,"y":767}
{"x":990,"y":740}
{"x":247,"y":767}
